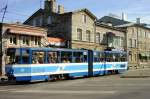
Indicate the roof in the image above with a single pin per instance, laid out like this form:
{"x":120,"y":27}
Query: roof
{"x":87,"y":11}
{"x":118,"y":23}
{"x":40,"y":11}
{"x":113,"y":21}
{"x":110,"y":27}
{"x":81,"y":10}
{"x":52,"y":39}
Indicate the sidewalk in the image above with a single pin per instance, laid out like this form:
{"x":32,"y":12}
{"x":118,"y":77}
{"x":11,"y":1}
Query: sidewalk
{"x":138,"y":73}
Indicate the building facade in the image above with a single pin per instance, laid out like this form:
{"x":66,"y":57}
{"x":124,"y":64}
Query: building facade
{"x":79,"y":28}
{"x":138,"y":46}
{"x":17,"y":35}
{"x":137,"y":41}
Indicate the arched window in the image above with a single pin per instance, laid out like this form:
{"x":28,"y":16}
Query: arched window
{"x":88,"y":33}
{"x":97,"y":37}
{"x":79,"y":34}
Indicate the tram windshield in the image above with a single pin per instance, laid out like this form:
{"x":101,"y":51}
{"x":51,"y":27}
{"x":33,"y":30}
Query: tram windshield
{"x":16,"y":56}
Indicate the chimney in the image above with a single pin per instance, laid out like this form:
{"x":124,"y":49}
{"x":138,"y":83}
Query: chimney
{"x":60,"y":9}
{"x":138,"y":20}
{"x":50,"y":6}
{"x":124,"y":17}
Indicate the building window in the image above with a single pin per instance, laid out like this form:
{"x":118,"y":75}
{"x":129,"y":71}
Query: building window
{"x":148,"y":35}
{"x":145,"y":34}
{"x":135,"y":56}
{"x":122,"y":41}
{"x":134,"y":43}
{"x":36,"y":41}
{"x":25,"y":40}
{"x":133,"y":32}
{"x":84,"y":18}
{"x":131,"y":58}
{"x":97,"y":37}
{"x":88,"y":35}
{"x":130,"y":43}
{"x":79,"y":34}
{"x":39,"y":41}
{"x":13,"y":40}
{"x":49,"y":20}
{"x":34,"y":22}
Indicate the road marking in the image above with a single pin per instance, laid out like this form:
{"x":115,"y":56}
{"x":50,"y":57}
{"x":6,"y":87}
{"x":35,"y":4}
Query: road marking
{"x":65,"y":92}
{"x":6,"y":90}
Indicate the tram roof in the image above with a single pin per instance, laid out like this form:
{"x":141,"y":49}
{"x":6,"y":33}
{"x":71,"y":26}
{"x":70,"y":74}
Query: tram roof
{"x":70,"y":50}
{"x":52,"y":49}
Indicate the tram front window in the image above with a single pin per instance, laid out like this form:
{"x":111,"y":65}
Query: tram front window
{"x":13,"y":56}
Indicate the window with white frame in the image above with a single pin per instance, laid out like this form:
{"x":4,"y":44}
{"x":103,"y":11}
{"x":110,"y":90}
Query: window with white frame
{"x":79,"y":34}
{"x":25,"y":40}
{"x":88,"y":35}
{"x":13,"y":39}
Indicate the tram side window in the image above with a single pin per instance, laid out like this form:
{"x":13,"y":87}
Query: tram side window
{"x":79,"y":57}
{"x":38,"y":57}
{"x":97,"y":57}
{"x":66,"y":57}
{"x":108,"y":57}
{"x":52,"y":57}
{"x":102,"y":57}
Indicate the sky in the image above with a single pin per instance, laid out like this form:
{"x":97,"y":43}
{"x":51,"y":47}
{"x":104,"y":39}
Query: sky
{"x":20,"y":10}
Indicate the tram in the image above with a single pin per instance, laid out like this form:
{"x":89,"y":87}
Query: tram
{"x":40,"y":64}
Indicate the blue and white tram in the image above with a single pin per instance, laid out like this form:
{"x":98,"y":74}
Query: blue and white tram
{"x":34,"y":64}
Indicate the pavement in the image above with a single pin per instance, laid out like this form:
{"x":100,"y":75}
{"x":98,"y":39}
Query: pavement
{"x":138,"y":73}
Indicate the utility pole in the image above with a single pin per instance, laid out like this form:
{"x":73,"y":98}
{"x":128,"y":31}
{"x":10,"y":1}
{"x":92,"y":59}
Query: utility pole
{"x":1,"y":70}
{"x":2,"y":65}
{"x":4,"y":13}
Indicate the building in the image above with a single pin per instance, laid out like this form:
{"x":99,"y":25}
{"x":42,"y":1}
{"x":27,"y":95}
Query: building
{"x":137,"y":40}
{"x":17,"y":35}
{"x":78,"y":28}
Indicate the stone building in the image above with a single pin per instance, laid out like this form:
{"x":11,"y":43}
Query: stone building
{"x":137,"y":41}
{"x":79,"y":28}
{"x":17,"y":35}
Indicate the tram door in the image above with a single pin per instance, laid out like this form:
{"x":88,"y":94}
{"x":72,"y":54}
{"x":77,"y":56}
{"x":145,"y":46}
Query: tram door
{"x":90,"y":63}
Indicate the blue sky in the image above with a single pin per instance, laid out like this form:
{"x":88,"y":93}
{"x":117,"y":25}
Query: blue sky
{"x":20,"y":10}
